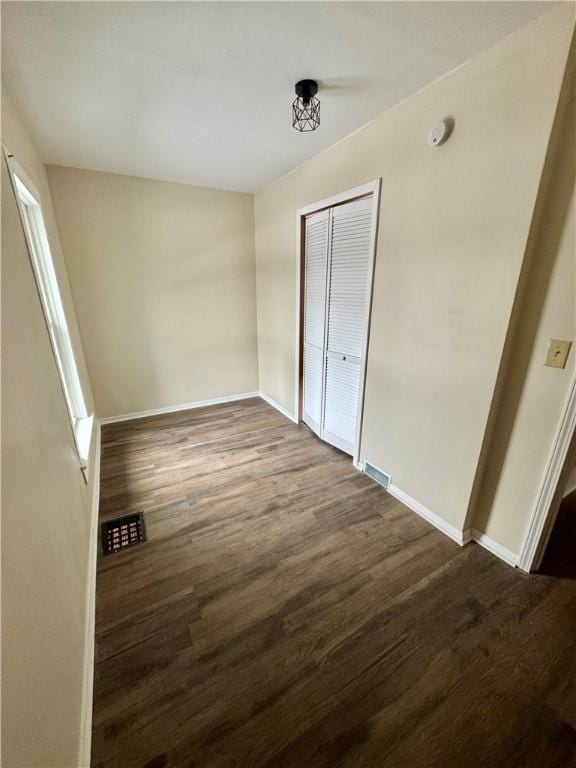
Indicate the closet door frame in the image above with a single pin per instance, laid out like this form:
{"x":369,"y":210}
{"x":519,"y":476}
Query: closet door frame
{"x":364,"y":190}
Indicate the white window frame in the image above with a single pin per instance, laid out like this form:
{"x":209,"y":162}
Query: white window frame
{"x":30,"y":207}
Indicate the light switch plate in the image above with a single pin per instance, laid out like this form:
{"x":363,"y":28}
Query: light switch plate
{"x":558,"y":352}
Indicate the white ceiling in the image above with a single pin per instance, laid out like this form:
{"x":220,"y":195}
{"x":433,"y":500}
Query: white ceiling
{"x":201,"y":92}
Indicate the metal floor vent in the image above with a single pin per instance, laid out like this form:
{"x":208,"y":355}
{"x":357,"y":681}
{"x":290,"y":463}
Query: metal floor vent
{"x":122,"y":533}
{"x":376,"y":474}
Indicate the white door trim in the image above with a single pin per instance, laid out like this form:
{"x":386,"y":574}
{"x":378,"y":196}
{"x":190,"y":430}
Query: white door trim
{"x":363,"y":190}
{"x":547,"y":503}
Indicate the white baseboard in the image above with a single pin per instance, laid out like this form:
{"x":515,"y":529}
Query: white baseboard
{"x":89,"y":629}
{"x":278,"y":407}
{"x":175,"y":408}
{"x":496,"y":549}
{"x":460,"y":537}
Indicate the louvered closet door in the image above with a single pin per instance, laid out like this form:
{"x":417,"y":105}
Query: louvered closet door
{"x":316,"y":265}
{"x":350,"y":246}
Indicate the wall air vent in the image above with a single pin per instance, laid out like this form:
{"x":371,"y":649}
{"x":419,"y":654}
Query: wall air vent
{"x":376,"y":474}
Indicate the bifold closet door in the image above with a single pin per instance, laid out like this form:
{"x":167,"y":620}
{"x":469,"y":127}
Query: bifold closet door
{"x":315,"y":266}
{"x":347,"y":302}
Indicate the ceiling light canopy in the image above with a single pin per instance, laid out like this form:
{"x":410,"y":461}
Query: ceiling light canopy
{"x":306,"y":107}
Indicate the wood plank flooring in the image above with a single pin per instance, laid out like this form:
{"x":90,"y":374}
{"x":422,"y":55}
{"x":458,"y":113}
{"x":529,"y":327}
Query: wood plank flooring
{"x":287,"y":612}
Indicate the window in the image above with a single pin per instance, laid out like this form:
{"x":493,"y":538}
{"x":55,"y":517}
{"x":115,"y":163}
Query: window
{"x":43,"y":267}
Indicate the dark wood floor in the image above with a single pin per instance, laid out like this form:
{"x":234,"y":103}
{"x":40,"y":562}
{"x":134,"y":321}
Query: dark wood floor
{"x":288,"y":613}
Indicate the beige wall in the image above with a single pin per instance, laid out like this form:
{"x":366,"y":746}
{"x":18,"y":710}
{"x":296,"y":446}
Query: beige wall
{"x":527,"y":413}
{"x":46,"y":506}
{"x":453,"y":230}
{"x":163,"y":277}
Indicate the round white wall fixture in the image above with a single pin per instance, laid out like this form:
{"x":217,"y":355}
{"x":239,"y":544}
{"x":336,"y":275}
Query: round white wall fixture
{"x":438,"y":134}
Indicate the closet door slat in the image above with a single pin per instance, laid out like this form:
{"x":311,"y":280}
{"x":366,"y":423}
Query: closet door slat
{"x":349,"y":278}
{"x":350,"y":246}
{"x":315,"y":270}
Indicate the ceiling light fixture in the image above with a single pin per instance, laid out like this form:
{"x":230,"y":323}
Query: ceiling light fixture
{"x":306,"y":107}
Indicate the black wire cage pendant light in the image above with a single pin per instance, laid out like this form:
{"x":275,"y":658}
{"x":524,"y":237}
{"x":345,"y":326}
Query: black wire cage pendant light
{"x":306,"y":107}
